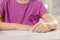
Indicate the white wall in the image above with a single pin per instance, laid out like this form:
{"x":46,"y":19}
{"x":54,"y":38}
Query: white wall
{"x":54,"y":6}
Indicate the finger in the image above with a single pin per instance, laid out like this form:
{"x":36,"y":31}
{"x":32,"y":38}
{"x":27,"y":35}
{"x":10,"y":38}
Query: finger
{"x":41,"y":30}
{"x":37,"y":28}
{"x":41,"y":27}
{"x":34,"y":27}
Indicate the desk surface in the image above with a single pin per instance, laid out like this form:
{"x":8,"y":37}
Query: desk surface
{"x":27,"y":35}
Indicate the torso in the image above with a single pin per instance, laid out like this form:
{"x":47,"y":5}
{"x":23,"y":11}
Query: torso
{"x":23,"y":14}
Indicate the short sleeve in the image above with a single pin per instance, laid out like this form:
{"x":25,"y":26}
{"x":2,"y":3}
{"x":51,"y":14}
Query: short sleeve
{"x":1,"y":7}
{"x":42,"y":9}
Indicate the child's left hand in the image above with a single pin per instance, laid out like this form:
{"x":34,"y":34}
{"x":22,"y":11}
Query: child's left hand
{"x":40,"y":27}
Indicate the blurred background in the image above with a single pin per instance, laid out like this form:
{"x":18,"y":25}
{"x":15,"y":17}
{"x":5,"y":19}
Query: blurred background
{"x":54,"y":7}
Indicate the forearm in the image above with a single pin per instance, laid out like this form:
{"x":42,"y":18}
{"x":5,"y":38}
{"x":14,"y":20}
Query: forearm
{"x":13,"y":26}
{"x":50,"y":21}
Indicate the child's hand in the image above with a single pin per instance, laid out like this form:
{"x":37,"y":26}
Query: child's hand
{"x":40,"y":27}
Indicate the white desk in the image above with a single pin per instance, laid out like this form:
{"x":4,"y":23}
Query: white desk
{"x":26,"y":35}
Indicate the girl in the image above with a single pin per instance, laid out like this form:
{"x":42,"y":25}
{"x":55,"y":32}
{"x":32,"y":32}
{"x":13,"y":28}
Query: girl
{"x":25,"y":15}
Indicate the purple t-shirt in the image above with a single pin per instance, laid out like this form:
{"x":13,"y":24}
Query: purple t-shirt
{"x":28,"y":14}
